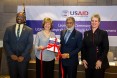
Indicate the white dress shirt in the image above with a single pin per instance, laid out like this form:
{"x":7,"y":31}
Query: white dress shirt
{"x":16,"y":29}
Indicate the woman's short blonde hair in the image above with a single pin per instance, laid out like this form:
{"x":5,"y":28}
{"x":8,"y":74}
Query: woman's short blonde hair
{"x":97,"y":16}
{"x":47,"y":19}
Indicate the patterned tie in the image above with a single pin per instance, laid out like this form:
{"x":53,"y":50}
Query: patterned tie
{"x":18,"y":32}
{"x":67,"y":35}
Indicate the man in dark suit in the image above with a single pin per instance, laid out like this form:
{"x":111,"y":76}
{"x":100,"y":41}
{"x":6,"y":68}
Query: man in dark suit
{"x":17,"y":42}
{"x":71,"y":41}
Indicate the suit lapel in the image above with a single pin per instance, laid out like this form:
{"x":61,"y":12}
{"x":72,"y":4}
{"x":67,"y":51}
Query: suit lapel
{"x":23,"y":32}
{"x":64,"y":35}
{"x":14,"y":34}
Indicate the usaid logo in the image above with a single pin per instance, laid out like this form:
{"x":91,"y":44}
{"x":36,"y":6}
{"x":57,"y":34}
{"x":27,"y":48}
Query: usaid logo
{"x":66,"y":13}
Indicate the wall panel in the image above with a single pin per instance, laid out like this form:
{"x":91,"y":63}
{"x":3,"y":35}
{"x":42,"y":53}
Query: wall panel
{"x":101,"y":2}
{"x":1,"y":6}
{"x":114,"y":2}
{"x":56,"y":2}
{"x":9,"y":17}
{"x":87,"y":3}
{"x":37,"y":2}
{"x":10,"y":6}
{"x":71,"y":2}
{"x":87,"y":0}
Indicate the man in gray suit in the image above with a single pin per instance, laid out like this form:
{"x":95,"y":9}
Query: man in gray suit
{"x":17,"y":42}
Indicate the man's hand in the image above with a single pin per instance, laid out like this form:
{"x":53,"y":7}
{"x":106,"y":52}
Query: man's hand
{"x":65,"y":55}
{"x":20,"y":58}
{"x":14,"y":57}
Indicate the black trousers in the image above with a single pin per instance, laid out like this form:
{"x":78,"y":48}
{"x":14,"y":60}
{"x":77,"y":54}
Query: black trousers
{"x":48,"y":69}
{"x":94,"y":73}
{"x":18,"y":69}
{"x":69,"y":71}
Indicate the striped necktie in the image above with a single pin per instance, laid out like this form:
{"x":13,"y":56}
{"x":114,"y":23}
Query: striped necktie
{"x":18,"y":31}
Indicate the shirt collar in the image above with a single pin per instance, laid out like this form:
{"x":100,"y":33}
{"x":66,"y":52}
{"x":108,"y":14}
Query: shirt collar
{"x":20,"y":24}
{"x":71,"y":29}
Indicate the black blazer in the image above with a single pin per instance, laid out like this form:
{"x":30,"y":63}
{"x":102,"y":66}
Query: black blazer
{"x":72,"y":47}
{"x":95,"y":47}
{"x":19,"y":47}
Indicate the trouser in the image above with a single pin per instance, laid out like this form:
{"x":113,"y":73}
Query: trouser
{"x":48,"y":69}
{"x":94,"y":73}
{"x":18,"y":69}
{"x":69,"y":71}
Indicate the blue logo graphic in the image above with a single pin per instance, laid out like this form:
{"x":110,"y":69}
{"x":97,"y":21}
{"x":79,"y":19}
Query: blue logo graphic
{"x":65,"y":13}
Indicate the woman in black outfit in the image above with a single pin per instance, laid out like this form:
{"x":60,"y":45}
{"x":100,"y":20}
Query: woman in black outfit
{"x":94,"y":50}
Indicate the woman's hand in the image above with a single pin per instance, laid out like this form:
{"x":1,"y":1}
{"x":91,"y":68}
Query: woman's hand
{"x":98,"y":64}
{"x":40,"y":47}
{"x":85,"y":64}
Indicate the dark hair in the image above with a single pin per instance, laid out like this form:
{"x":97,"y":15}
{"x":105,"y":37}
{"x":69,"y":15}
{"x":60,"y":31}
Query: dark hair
{"x":23,"y":14}
{"x":72,"y":18}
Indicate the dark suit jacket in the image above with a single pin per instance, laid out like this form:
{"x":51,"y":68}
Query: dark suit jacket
{"x":19,"y":47}
{"x":72,"y":47}
{"x":95,"y":47}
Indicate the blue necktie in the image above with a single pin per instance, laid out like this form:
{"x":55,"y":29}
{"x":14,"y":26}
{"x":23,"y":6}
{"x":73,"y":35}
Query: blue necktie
{"x":67,"y":35}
